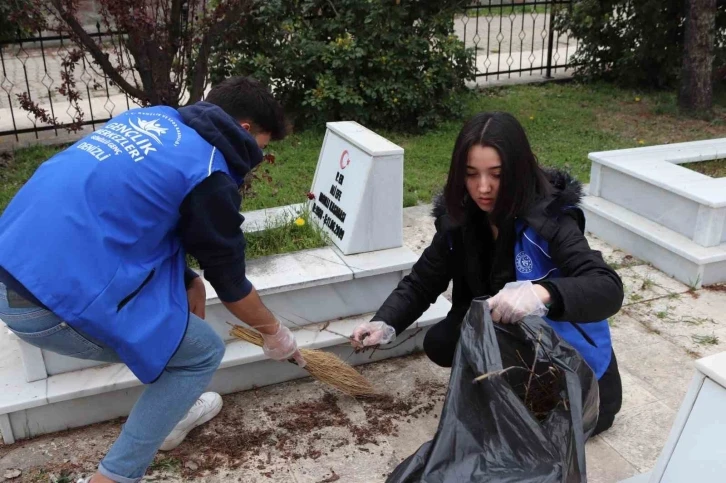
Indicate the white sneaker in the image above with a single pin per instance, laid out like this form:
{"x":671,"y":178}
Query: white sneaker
{"x":207,"y":406}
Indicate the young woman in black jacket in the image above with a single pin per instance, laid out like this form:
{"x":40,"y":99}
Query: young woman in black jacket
{"x":508,"y":229}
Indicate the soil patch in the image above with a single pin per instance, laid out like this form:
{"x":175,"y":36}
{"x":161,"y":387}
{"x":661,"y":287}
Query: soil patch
{"x":302,"y":430}
{"x":715,"y":288}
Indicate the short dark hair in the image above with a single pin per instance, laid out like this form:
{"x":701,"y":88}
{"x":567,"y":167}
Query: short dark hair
{"x":247,"y":99}
{"x":522,"y":179}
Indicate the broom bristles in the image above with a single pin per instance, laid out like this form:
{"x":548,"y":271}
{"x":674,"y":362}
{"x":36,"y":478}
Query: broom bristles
{"x":323,"y":366}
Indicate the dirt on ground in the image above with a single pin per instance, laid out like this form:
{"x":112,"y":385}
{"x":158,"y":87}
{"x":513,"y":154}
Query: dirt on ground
{"x":250,"y":434}
{"x":298,"y":431}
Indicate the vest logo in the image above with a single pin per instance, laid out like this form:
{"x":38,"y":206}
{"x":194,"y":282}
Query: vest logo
{"x":524,"y":263}
{"x":149,"y":128}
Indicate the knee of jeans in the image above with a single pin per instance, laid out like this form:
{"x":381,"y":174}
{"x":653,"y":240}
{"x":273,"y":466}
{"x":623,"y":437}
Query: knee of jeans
{"x":218,"y":349}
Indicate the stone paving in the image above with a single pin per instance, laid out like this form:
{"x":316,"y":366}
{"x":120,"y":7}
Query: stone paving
{"x":663,"y":327}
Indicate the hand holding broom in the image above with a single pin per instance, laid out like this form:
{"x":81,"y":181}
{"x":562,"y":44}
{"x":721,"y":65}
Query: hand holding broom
{"x":323,"y":366}
{"x":276,"y":340}
{"x":281,"y":346}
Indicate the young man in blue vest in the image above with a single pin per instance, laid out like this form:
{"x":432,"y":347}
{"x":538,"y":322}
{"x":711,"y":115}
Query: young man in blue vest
{"x":92,"y":257}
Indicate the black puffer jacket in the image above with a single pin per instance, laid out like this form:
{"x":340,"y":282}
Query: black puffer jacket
{"x":587,"y":291}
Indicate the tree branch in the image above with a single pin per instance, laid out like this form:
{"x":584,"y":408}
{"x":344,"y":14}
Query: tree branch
{"x":205,"y":48}
{"x":175,"y":24}
{"x":98,"y":55}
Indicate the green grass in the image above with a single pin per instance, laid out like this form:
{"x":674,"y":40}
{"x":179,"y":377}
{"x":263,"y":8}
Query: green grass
{"x":705,"y":339}
{"x":564,"y":122}
{"x":281,"y":236}
{"x":167,"y":464}
{"x":714,"y":169}
{"x":285,"y":238}
{"x":17,"y":167}
{"x":647,"y":284}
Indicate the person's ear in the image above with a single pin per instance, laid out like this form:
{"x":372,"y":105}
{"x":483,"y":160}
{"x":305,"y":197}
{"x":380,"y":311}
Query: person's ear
{"x":246,"y":126}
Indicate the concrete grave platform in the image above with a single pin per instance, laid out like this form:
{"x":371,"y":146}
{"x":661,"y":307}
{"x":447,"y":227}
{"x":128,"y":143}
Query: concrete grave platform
{"x":103,"y":393}
{"x":300,"y":288}
{"x":644,"y":202}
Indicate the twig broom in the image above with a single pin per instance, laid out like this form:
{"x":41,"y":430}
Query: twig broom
{"x":323,"y":366}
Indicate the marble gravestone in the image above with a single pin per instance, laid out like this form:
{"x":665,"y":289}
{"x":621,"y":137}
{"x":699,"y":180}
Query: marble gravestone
{"x":358,"y":189}
{"x":696,"y":450}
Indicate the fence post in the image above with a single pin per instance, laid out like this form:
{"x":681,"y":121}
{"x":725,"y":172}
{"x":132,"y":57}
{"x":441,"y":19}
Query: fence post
{"x":550,"y":43}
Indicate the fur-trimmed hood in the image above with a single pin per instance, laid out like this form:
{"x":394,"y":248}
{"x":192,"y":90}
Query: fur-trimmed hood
{"x":567,"y":192}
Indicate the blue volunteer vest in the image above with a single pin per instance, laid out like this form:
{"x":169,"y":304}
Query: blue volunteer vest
{"x":92,"y":233}
{"x":533,"y":262}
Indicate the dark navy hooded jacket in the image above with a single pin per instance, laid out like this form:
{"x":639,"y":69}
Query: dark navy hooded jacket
{"x":546,"y":245}
{"x":100,"y":232}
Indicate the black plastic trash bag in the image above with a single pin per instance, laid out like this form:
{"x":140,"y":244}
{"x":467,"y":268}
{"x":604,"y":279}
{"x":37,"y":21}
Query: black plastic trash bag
{"x":486,"y":432}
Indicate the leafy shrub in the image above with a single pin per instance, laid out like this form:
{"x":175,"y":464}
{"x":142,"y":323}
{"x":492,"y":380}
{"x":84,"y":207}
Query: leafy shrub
{"x":633,"y":42}
{"x":384,"y":63}
{"x":14,"y":16}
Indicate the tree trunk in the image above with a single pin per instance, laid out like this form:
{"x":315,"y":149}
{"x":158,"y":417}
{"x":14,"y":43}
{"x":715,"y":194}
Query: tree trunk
{"x":696,"y":90}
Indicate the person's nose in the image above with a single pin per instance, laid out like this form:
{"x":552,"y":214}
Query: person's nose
{"x":485,"y":187}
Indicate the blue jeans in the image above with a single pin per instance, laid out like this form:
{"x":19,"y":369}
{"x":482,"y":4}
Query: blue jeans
{"x":162,"y":404}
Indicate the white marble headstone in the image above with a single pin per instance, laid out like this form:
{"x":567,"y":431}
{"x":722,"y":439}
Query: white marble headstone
{"x":358,"y":188}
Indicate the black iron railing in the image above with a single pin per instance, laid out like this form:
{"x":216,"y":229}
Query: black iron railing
{"x":510,"y":40}
{"x":515,"y":38}
{"x":32,"y":69}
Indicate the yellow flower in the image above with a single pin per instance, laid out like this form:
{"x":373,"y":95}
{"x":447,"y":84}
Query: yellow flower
{"x":640,"y":141}
{"x":637,"y":99}
{"x":299,"y":222}
{"x":531,"y":118}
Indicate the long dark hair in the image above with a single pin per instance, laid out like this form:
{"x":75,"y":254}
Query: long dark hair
{"x":522,"y":180}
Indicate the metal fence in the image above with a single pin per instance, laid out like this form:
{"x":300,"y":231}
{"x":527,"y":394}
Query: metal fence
{"x":34,"y":66}
{"x":516,"y":38}
{"x":511,"y":38}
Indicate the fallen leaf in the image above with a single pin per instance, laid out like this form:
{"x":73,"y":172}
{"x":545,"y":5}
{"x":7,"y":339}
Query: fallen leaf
{"x":331,"y":478}
{"x":11,"y":474}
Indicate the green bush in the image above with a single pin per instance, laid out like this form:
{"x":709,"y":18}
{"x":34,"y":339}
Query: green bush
{"x":15,"y":15}
{"x":392,"y":64}
{"x":632,"y":42}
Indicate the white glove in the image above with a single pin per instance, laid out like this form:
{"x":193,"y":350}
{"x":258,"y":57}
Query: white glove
{"x":373,"y":333}
{"x":516,"y":301}
{"x":282,"y":346}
